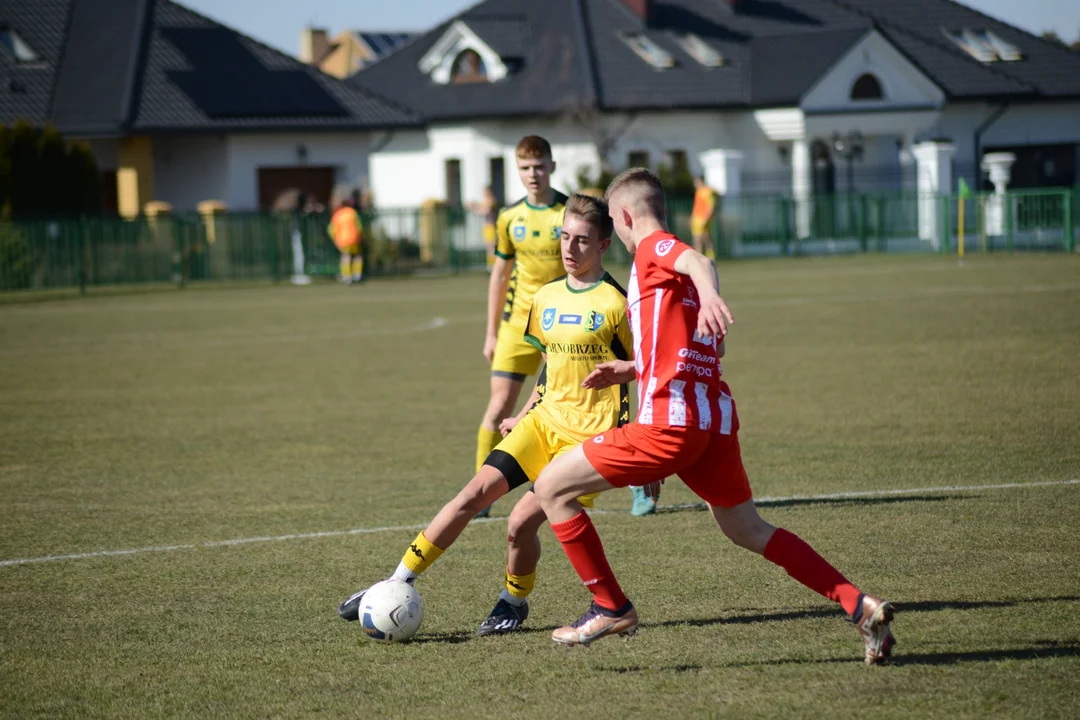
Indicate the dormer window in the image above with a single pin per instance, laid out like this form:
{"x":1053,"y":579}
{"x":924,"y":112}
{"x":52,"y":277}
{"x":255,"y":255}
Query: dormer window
{"x":468,"y":67}
{"x":460,"y":56}
{"x":867,"y":87}
{"x":648,"y":50}
{"x":18,"y":48}
{"x":984,"y":45}
{"x":701,"y":51}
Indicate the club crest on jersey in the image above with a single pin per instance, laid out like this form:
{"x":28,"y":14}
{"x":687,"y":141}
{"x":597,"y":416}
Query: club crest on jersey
{"x":556,"y":232}
{"x":548,"y":318}
{"x":594,"y":321}
{"x":664,"y":247}
{"x":519,"y":233}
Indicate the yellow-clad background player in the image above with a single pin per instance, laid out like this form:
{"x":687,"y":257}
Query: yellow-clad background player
{"x":578,"y":322}
{"x":526,"y":257}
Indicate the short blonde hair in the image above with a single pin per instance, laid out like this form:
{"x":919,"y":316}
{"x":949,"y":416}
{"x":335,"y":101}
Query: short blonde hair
{"x":646,"y":187}
{"x":592,"y":210}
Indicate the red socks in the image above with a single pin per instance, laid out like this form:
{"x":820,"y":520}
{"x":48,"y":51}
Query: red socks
{"x":586,"y":553}
{"x":801,"y":562}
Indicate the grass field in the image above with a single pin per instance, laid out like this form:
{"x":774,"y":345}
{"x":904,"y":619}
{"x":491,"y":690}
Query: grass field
{"x":167,"y":422}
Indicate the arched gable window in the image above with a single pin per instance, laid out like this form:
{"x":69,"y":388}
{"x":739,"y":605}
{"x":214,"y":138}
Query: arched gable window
{"x":867,"y":87}
{"x":468,"y":67}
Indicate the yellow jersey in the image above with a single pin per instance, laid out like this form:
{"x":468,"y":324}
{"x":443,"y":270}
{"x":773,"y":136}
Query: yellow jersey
{"x":530,"y":236}
{"x":578,"y":329}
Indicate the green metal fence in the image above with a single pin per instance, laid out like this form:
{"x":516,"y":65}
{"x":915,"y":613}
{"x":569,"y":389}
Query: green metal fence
{"x":178,"y":249}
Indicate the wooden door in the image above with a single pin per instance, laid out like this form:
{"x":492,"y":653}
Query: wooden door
{"x":281,"y":185}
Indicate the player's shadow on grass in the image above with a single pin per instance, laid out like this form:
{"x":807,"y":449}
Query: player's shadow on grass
{"x":799,"y":502}
{"x":443,"y":638}
{"x":901,"y":607}
{"x":1039,"y":650}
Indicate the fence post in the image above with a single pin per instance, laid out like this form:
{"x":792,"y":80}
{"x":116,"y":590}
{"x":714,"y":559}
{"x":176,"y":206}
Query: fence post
{"x":273,"y":224}
{"x":1008,"y":198}
{"x":879,"y":222}
{"x":863,"y":224}
{"x":80,"y":260}
{"x":1067,"y":200}
{"x":785,"y":225}
{"x":944,"y":224}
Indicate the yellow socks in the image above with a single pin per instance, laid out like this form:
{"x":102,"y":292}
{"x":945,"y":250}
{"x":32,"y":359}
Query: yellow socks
{"x":420,"y":555}
{"x":486,"y":440}
{"x":519,"y":586}
{"x":357,"y":267}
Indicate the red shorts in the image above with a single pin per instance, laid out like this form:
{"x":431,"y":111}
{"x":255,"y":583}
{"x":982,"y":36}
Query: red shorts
{"x":709,"y":463}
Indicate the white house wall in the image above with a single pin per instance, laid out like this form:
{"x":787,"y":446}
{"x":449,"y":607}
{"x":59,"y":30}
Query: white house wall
{"x":188,"y":170}
{"x":1041,"y":124}
{"x":403,"y":172}
{"x":346,"y":152}
{"x":411,"y":167}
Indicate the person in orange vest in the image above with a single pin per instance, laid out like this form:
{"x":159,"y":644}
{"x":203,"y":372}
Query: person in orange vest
{"x":347,"y":232}
{"x":701,"y":217}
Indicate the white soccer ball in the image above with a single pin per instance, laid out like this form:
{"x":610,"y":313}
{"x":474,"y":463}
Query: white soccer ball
{"x":391,"y":611}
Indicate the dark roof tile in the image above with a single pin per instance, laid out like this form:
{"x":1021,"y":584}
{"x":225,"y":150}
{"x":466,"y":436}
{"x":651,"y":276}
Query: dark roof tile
{"x":774,"y":51}
{"x":26,"y":90}
{"x":109,"y":68}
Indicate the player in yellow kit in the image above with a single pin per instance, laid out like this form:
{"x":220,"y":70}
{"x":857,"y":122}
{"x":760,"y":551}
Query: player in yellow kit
{"x":526,"y":256}
{"x":577,"y":322}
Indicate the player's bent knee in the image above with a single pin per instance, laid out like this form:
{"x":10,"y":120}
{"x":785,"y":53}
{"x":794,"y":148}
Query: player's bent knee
{"x":750,"y":533}
{"x":525,"y":521}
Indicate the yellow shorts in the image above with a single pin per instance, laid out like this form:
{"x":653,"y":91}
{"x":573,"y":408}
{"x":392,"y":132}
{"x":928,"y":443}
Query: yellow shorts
{"x":698,"y":227}
{"x":514,"y":358}
{"x":350,"y":249}
{"x":489,"y":234}
{"x":531,"y":445}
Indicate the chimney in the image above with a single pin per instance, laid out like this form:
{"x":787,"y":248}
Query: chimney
{"x":314,"y":42}
{"x":642,"y":8}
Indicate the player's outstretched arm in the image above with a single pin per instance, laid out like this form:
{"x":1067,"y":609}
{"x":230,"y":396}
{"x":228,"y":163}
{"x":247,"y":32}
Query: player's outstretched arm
{"x":497,"y":286}
{"x":607,"y":374}
{"x":714,"y":317}
{"x":511,"y":422}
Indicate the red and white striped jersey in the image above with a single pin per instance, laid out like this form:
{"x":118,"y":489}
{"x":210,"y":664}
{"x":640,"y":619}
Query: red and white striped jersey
{"x":678,"y":371}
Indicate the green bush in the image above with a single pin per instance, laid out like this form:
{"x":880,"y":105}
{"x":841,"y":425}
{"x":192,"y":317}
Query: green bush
{"x":16,"y":260}
{"x":42,"y":175}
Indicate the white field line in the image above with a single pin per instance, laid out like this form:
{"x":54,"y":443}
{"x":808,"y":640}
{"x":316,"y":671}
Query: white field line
{"x":421,"y":526}
{"x":187,"y":340}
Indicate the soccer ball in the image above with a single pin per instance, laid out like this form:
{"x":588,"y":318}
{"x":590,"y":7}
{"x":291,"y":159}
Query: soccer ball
{"x":391,"y":611}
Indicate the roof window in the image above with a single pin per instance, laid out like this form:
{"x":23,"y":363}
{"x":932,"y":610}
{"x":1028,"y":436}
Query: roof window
{"x":701,"y":51}
{"x":984,"y":45}
{"x":648,"y":50}
{"x":17,"y":47}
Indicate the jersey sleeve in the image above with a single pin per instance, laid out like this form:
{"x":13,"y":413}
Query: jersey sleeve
{"x":504,"y":246}
{"x":534,"y":330}
{"x":657,"y":257}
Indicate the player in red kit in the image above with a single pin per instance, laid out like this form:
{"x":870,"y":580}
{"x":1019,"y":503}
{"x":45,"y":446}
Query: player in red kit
{"x":687,"y":425}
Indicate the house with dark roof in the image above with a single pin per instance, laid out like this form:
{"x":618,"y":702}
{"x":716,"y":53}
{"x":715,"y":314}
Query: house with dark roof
{"x":178,"y":108}
{"x":349,"y":51}
{"x":791,"y":96}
